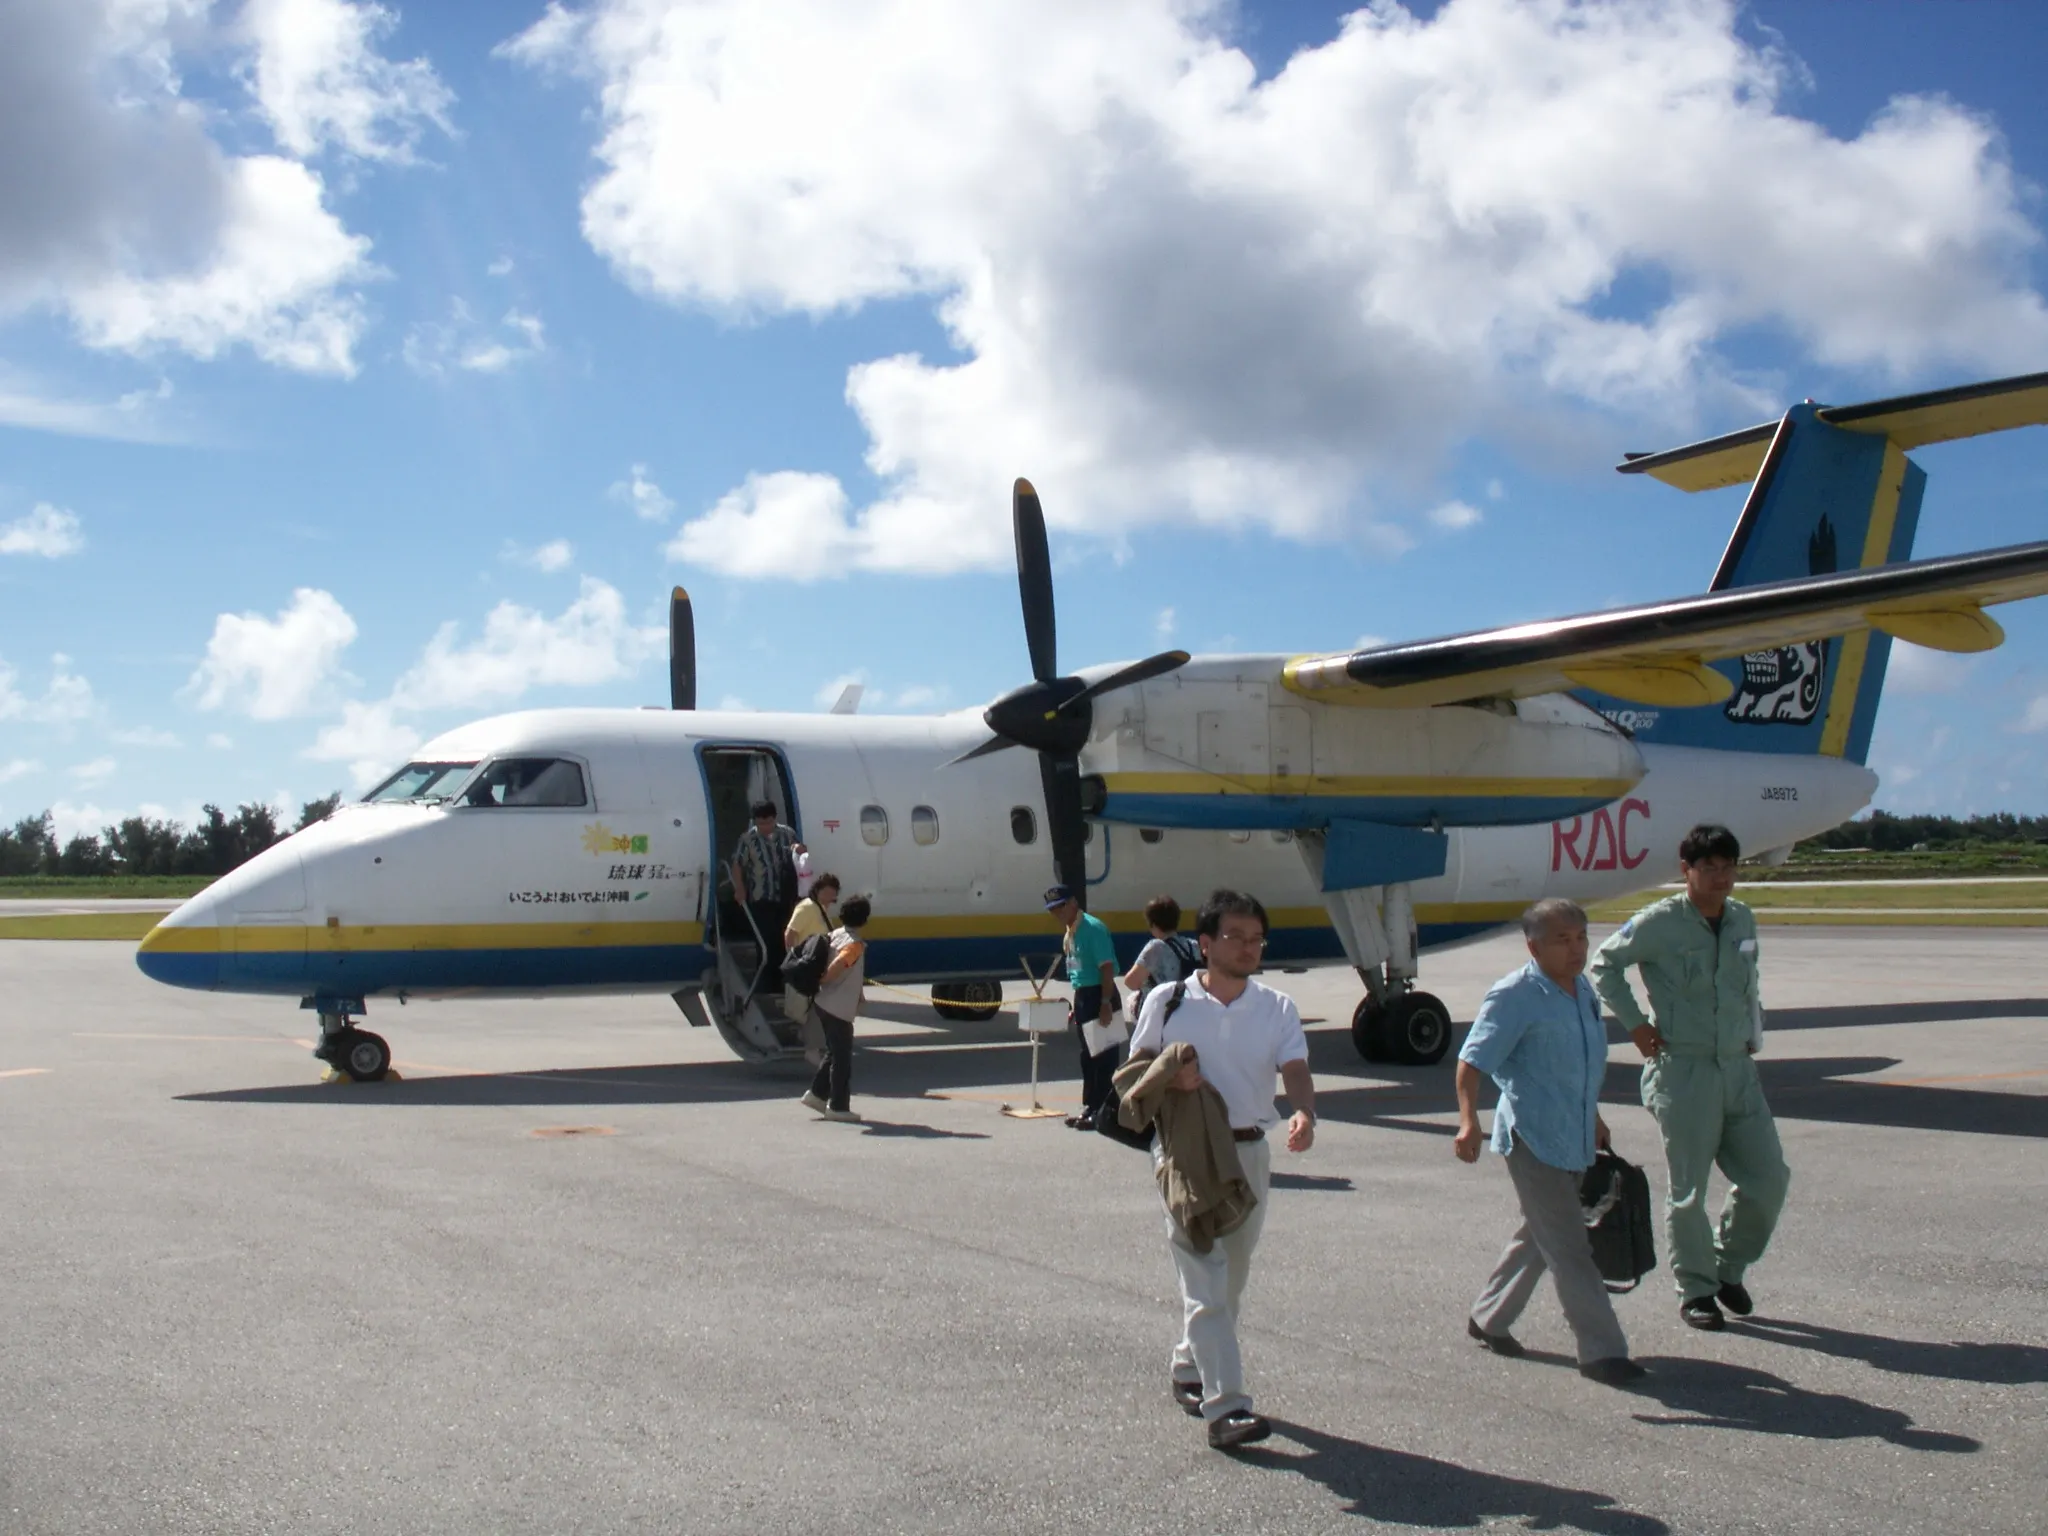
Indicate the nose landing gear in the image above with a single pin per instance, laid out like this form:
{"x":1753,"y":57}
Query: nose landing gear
{"x":363,"y":1056}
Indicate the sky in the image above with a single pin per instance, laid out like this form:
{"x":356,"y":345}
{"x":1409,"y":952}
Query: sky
{"x":365,"y":369}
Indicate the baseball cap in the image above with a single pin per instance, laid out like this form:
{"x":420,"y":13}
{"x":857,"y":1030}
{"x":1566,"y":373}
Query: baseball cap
{"x":1057,"y":896}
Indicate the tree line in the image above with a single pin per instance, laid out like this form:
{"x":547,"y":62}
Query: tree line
{"x":143,"y":845}
{"x":1882,"y":832}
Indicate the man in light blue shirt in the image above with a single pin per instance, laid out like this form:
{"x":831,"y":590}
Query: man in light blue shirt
{"x":1539,"y":1036}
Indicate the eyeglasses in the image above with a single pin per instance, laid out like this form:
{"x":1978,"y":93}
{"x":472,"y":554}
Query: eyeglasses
{"x":1250,"y":940}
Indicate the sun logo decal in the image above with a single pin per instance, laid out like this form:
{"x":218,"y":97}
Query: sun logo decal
{"x":600,"y":839}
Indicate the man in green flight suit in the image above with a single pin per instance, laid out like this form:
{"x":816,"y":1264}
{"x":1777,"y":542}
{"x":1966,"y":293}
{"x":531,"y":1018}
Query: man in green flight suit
{"x":1697,"y":952}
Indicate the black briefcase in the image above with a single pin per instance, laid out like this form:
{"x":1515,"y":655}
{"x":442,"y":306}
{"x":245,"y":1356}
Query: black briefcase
{"x":1615,"y":1195}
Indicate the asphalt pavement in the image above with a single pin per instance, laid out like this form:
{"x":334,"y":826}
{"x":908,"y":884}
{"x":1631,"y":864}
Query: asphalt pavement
{"x":580,"y":1272}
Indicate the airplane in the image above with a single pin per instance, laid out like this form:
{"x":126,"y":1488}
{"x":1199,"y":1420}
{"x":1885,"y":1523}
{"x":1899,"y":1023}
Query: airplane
{"x":1382,"y":801}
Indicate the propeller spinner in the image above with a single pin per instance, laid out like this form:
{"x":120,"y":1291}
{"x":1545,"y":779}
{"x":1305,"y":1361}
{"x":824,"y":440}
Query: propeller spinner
{"x":1053,"y":715}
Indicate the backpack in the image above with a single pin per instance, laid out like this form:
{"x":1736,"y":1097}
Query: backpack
{"x":1106,"y":1120}
{"x":1615,"y":1198}
{"x":1190,"y":954}
{"x":804,"y":967}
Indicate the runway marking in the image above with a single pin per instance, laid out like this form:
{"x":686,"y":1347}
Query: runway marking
{"x":25,"y":1072}
{"x":1974,"y":1077}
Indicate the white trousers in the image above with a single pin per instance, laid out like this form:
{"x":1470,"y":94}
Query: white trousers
{"x":1211,"y":1291}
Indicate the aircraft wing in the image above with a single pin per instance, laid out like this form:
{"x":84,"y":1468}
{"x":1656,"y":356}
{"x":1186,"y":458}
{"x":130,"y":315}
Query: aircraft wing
{"x":1657,"y":653}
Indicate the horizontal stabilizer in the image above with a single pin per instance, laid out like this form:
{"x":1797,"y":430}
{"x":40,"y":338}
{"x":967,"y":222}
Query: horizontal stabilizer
{"x":1909,"y":421}
{"x":1657,"y":653}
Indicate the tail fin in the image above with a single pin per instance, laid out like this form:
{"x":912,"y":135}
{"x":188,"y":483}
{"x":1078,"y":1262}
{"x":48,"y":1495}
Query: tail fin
{"x":1831,"y":489}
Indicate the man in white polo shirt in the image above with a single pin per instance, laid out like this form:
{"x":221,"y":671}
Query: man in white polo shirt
{"x":1243,"y":1033}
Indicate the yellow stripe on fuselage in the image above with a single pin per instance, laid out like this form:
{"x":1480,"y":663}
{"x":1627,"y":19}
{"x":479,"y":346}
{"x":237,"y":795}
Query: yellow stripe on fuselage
{"x":280,"y":938}
{"x":1364,"y":786}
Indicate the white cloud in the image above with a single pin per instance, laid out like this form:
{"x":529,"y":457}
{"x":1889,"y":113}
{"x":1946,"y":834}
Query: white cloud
{"x":591,"y":642}
{"x":220,"y":741}
{"x":643,"y":496}
{"x":1163,"y":625}
{"x":502,"y":267}
{"x":1453,"y":516}
{"x":1184,"y":293}
{"x":144,"y":736}
{"x":128,"y":216}
{"x":1495,"y":491}
{"x":94,"y":772}
{"x":2035,"y":717}
{"x":555,"y":555}
{"x":369,"y":739}
{"x":18,"y":768}
{"x":466,"y":344}
{"x":318,"y":78}
{"x":67,"y":698}
{"x":920,"y":696}
{"x":47,"y":531}
{"x":132,"y":417}
{"x":1916,"y":669}
{"x":273,"y":668}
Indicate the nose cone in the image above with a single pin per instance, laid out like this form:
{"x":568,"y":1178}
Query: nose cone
{"x":184,"y":949}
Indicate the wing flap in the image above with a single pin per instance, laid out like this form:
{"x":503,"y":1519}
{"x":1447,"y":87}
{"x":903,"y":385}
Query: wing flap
{"x":1657,"y":653}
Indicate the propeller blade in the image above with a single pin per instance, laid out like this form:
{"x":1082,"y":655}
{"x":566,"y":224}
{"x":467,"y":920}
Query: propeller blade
{"x":1060,"y":773}
{"x":1034,"y":581}
{"x":1138,"y":672}
{"x":682,"y":652}
{"x":993,"y":744}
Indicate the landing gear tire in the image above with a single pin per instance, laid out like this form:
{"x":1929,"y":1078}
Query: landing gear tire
{"x":1369,"y":1030}
{"x":362,"y":1055}
{"x":966,"y":1002}
{"x":1417,"y":1029}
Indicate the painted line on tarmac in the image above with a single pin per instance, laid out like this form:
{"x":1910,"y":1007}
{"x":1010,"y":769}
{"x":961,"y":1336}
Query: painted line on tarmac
{"x":212,"y":1039}
{"x":26,"y":1072}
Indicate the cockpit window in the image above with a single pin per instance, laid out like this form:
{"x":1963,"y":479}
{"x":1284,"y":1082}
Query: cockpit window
{"x":519,"y":781}
{"x":430,"y":782}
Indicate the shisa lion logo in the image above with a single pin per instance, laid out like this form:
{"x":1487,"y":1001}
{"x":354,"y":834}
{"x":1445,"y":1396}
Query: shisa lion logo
{"x":599,"y":839}
{"x":1784,"y":686}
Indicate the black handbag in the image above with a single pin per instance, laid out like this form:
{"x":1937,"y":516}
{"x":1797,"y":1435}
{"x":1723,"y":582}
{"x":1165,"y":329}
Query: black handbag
{"x":1615,"y":1197}
{"x":1106,"y":1118}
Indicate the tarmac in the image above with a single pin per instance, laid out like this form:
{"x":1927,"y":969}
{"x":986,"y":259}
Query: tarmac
{"x":580,"y":1272}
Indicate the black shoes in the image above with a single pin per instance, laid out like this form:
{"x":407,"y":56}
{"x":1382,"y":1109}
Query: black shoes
{"x":1500,"y":1343}
{"x":1237,"y":1428}
{"x":1703,"y":1313}
{"x":1189,"y":1395}
{"x":1736,"y":1299}
{"x":1618,"y":1371}
{"x":1084,"y":1122}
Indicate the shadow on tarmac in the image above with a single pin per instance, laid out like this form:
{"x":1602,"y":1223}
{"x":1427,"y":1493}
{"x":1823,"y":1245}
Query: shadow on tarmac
{"x":1998,"y":1365}
{"x":1403,"y":1489}
{"x":1714,"y":1394}
{"x":936,"y":1058}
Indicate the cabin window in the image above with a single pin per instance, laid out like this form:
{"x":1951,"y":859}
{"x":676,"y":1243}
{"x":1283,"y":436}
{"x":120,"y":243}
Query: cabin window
{"x":1023,"y":825}
{"x":431,"y":782}
{"x":1151,"y":835}
{"x":1283,"y":835}
{"x":874,"y":825}
{"x":527,"y":781}
{"x":924,"y":825}
{"x":1240,"y":837}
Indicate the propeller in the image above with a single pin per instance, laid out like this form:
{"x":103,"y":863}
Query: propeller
{"x":682,"y":652}
{"x":1053,"y":715}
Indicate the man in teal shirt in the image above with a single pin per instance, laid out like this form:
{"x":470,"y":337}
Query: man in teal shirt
{"x":1091,"y":970}
{"x":1698,"y":953}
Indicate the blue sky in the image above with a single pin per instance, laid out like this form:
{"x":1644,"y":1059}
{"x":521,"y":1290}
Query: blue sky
{"x":364,"y":370}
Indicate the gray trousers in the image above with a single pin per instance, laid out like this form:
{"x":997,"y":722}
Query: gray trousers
{"x":1553,"y":1237}
{"x":1212,"y":1290}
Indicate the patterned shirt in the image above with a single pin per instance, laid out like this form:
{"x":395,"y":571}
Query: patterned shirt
{"x":767,"y":863}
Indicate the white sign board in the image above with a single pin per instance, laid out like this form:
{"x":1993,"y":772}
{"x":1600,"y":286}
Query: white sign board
{"x":1042,"y":1015}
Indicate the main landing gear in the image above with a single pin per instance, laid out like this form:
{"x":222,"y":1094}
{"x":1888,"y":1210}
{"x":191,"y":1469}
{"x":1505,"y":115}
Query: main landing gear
{"x":1394,"y":1022}
{"x":364,"y":1056}
{"x":1413,"y":1028}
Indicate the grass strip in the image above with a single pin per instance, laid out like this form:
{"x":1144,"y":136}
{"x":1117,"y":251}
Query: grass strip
{"x":100,"y":887}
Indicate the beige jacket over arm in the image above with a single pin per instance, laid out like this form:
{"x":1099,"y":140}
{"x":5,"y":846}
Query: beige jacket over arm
{"x":1200,"y":1178}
